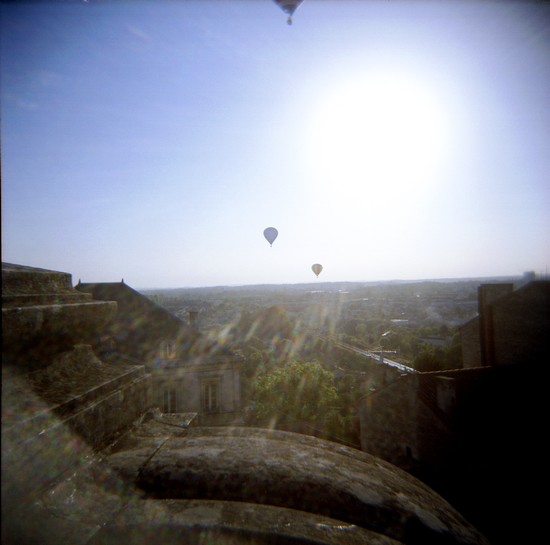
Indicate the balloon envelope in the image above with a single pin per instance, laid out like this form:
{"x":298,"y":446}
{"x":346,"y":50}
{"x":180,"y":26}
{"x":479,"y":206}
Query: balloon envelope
{"x":271,"y":234}
{"x":289,"y":7}
{"x":317,"y":268}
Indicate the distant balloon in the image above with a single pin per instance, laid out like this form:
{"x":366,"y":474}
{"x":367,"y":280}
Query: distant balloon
{"x":289,"y":7}
{"x":271,"y":234}
{"x":317,"y":268}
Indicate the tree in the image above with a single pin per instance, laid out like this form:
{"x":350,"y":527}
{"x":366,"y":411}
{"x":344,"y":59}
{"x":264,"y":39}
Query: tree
{"x":296,"y":392}
{"x":267,"y":324}
{"x":438,"y":359}
{"x":429,"y":360}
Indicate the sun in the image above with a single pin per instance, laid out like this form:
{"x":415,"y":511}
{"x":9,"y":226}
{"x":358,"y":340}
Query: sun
{"x":376,"y":137}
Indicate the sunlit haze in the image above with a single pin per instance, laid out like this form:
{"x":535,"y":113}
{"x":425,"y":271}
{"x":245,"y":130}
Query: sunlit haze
{"x":155,"y":141}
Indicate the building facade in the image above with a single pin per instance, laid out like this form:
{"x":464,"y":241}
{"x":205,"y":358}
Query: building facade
{"x":189,"y":373}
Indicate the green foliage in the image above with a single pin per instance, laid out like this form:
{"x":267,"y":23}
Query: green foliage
{"x":410,"y":343}
{"x":297,"y":396}
{"x":440,"y":358}
{"x":296,"y":392}
{"x":429,"y":360}
{"x":266,"y":324}
{"x":252,"y":366}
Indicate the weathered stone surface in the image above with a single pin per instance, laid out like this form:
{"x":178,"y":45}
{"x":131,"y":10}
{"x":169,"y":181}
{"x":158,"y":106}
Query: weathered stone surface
{"x":223,"y":523}
{"x":55,"y":489}
{"x":70,"y":509}
{"x":42,"y":311}
{"x":70,"y":322}
{"x":96,"y":403}
{"x":73,"y":373}
{"x":289,"y":470}
{"x":20,"y":281}
{"x":58,"y":401}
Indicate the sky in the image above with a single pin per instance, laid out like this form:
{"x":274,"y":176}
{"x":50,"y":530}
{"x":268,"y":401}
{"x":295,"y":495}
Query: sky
{"x":155,"y":140}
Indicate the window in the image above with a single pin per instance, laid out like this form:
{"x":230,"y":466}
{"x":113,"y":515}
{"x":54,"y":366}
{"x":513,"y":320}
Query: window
{"x":169,"y":401}
{"x":167,"y":349}
{"x":210,"y":396}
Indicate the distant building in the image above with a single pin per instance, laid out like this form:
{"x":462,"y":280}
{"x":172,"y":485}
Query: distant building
{"x":208,"y":385}
{"x":189,"y":373}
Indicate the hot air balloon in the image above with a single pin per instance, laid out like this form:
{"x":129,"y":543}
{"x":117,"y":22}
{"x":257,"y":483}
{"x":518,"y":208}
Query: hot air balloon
{"x":317,"y":268}
{"x":289,"y":7}
{"x":271,"y":234}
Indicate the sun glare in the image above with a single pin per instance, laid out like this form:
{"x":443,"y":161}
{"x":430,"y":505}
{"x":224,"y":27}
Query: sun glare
{"x":376,"y":138}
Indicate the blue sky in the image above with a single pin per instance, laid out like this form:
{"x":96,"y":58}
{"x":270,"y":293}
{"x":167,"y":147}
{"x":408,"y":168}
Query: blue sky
{"x":155,"y":140}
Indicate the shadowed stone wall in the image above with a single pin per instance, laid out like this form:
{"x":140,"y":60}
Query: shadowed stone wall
{"x":59,"y":400}
{"x":512,"y":326}
{"x":474,"y":435}
{"x":470,"y":341}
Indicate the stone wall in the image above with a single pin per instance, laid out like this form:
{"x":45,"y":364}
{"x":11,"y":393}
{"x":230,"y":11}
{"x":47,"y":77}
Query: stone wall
{"x":474,"y":435}
{"x":53,"y":384}
{"x":521,"y":324}
{"x":471,"y":344}
{"x":388,"y":422}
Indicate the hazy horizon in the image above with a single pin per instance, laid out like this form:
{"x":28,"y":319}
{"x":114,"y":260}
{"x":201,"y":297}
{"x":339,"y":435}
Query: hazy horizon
{"x":316,"y":281}
{"x":319,"y":282}
{"x":155,"y":141}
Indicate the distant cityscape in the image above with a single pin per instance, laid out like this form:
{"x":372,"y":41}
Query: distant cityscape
{"x":435,"y":307}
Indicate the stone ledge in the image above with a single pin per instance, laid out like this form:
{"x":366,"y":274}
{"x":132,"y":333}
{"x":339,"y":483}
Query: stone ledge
{"x":74,"y":322}
{"x":20,"y":279}
{"x":96,"y":417}
{"x":296,"y":474}
{"x":77,"y":377}
{"x":41,"y":312}
{"x":33,"y":299}
{"x":228,"y":523}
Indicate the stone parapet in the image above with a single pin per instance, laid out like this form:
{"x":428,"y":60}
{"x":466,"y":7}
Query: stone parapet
{"x":42,"y":313}
{"x":292,"y":471}
{"x":44,"y":323}
{"x":37,"y":286}
{"x":226,"y":523}
{"x":60,"y":402}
